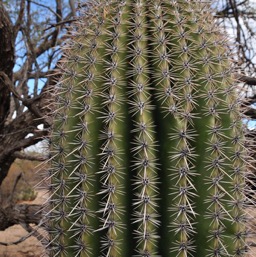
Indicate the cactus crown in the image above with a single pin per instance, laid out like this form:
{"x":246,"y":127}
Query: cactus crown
{"x":147,"y":155}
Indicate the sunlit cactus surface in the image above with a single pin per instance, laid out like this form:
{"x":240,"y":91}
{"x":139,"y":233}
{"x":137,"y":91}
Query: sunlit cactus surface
{"x":147,"y":148}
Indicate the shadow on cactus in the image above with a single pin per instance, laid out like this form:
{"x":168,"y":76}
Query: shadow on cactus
{"x":147,"y":146}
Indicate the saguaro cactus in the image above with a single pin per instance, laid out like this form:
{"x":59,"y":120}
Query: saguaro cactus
{"x":147,"y":155}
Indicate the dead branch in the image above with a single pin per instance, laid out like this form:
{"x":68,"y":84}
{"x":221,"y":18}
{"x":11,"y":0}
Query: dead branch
{"x":18,"y":22}
{"x":20,"y":213}
{"x":251,"y":81}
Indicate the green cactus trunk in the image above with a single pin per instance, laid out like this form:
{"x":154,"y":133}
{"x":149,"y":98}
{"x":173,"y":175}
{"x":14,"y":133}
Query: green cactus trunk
{"x":147,"y":144}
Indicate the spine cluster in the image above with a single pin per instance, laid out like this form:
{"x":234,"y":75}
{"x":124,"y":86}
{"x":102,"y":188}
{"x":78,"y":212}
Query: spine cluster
{"x":144,"y":145}
{"x":113,"y":111}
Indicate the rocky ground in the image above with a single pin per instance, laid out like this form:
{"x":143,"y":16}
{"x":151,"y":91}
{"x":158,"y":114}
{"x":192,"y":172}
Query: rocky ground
{"x":31,"y":247}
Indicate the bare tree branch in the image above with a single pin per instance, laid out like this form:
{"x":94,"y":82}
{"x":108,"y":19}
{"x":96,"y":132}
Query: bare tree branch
{"x":45,"y":6}
{"x":27,"y":102}
{"x":20,"y":213}
{"x":18,"y":22}
{"x":61,"y":23}
{"x":72,"y":7}
{"x":246,"y":79}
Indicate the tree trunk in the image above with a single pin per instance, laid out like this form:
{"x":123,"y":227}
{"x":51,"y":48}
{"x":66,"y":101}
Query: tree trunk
{"x":6,"y":66}
{"x":6,"y":61}
{"x":11,"y":142}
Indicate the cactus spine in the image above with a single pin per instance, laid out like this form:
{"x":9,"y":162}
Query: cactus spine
{"x":147,"y":155}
